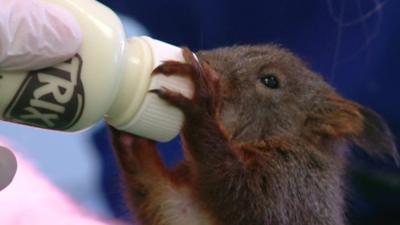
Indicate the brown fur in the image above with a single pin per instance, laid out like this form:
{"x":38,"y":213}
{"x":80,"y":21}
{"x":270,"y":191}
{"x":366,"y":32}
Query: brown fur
{"x":253,"y":155}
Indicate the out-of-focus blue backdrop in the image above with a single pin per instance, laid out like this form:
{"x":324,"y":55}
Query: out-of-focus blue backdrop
{"x":354,"y":44}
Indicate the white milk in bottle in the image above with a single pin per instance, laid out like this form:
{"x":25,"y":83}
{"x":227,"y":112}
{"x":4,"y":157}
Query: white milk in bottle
{"x":109,"y":78}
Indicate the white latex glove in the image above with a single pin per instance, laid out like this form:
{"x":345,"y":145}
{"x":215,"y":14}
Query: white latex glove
{"x":35,"y":34}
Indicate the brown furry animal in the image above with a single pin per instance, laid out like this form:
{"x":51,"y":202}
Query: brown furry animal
{"x":265,"y":142}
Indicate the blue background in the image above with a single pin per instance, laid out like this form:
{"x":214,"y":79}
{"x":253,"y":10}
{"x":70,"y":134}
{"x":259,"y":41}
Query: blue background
{"x":354,"y":44}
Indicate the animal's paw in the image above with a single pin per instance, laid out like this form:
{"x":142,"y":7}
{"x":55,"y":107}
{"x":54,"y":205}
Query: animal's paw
{"x":206,"y":97}
{"x":132,"y":151}
{"x":129,"y":142}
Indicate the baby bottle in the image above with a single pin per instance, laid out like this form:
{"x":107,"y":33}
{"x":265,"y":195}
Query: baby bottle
{"x":109,"y":78}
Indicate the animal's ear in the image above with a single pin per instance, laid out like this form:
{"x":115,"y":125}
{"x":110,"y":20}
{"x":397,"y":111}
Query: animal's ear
{"x":338,"y":118}
{"x":375,"y":137}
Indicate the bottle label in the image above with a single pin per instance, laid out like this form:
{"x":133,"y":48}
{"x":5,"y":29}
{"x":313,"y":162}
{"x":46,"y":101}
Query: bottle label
{"x":51,"y":98}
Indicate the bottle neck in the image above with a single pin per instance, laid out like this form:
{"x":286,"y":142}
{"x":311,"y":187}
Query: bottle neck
{"x":136,"y":70}
{"x":137,"y":111}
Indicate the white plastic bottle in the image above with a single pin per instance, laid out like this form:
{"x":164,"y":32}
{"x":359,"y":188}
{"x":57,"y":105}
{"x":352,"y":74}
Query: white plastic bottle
{"x":109,"y":78}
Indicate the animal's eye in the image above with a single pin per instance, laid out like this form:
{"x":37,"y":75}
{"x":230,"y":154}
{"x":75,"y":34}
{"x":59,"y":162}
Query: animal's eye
{"x":270,"y":81}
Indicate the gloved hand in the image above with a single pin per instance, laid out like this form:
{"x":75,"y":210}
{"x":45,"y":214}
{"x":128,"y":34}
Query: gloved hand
{"x":35,"y":34}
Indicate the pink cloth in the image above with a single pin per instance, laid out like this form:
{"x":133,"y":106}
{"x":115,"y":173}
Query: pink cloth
{"x":31,"y":199}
